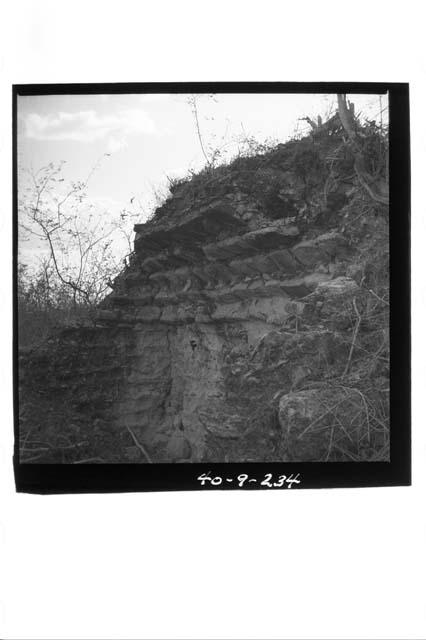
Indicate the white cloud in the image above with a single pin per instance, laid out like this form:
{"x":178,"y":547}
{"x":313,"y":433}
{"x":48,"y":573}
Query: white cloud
{"x":88,"y":126}
{"x":116,"y":144}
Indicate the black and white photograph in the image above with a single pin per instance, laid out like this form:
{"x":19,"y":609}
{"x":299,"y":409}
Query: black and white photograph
{"x":212,"y":281}
{"x":203,"y":278}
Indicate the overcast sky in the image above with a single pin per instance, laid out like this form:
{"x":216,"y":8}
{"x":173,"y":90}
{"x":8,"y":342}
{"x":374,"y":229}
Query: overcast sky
{"x":153,"y":136}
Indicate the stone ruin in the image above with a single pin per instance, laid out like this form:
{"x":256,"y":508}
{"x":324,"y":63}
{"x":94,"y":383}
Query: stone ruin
{"x":195,"y":291}
{"x":201,"y":352}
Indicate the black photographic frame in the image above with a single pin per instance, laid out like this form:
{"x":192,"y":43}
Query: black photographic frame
{"x":101,"y":478}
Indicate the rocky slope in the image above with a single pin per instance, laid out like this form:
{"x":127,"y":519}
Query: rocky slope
{"x":250,"y":324}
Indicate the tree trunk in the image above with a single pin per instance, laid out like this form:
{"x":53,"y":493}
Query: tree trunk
{"x":378,"y":192}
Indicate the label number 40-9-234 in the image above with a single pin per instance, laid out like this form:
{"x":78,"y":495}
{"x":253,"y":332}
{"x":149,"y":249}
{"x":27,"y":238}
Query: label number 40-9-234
{"x":243,"y":478}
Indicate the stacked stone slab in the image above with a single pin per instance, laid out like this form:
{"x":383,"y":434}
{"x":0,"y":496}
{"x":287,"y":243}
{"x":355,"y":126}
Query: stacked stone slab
{"x":208,"y":280}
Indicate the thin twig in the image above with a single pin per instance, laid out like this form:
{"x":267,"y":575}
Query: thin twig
{"x":26,"y":437}
{"x":193,"y":103}
{"x":33,"y":450}
{"x":329,"y":410}
{"x":355,"y":334}
{"x":342,"y":427}
{"x":367,"y":416}
{"x":138,"y":444}
{"x":330,"y":446}
{"x":42,"y":455}
{"x":378,"y":297}
{"x":346,"y":453}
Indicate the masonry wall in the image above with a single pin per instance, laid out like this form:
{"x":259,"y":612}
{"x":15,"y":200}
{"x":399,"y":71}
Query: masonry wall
{"x":228,"y":334}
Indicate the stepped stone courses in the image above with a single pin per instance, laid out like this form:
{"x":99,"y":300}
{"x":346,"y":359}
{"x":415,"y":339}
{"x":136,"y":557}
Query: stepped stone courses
{"x":206,"y":319}
{"x":196,"y":286}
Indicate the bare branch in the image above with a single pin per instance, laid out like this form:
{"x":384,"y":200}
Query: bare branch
{"x":193,"y":102}
{"x":138,"y":444}
{"x":354,"y":337}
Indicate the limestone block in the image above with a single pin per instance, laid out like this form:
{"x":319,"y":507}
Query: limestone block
{"x":198,"y":225}
{"x":106,"y":315}
{"x":230,"y":311}
{"x":323,"y":248}
{"x":200,"y":273}
{"x":152,"y":264}
{"x":141,"y":298}
{"x":333,"y":243}
{"x":317,"y":278}
{"x":161,"y":278}
{"x":233,"y":293}
{"x":309,"y":253}
{"x":245,"y":267}
{"x":202,"y":318}
{"x":284,"y":260}
{"x":295,"y":287}
{"x":264,"y":264}
{"x":219,"y":271}
{"x":165,"y":297}
{"x":229,"y":248}
{"x":251,"y":243}
{"x":185,"y":313}
{"x":133,"y":276}
{"x":300,"y":287}
{"x":338,"y":287}
{"x":148,"y":314}
{"x":271,"y":310}
{"x":169,"y":314}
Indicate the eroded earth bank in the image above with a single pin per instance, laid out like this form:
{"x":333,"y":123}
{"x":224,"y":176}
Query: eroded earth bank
{"x":250,"y":324}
